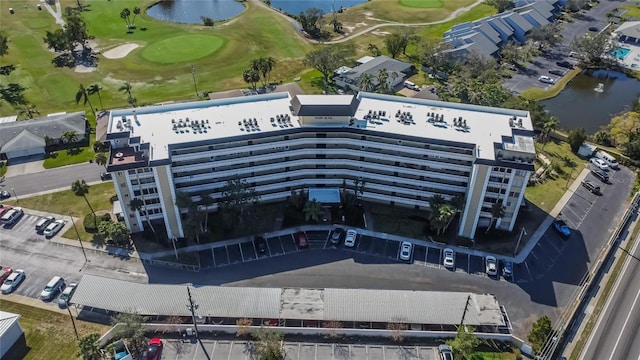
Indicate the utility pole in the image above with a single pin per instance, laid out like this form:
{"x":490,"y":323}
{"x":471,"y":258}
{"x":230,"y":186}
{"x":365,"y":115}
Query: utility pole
{"x":16,"y":195}
{"x":192,"y":307}
{"x":80,"y":241}
{"x":73,"y":323}
{"x":195,"y":84}
{"x":466,"y":306}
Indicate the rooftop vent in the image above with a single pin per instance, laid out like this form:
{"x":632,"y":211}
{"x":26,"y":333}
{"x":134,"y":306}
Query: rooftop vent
{"x":519,"y":122}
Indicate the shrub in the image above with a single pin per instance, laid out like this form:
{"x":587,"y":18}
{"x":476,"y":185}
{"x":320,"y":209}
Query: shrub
{"x":90,"y":224}
{"x":207,"y":21}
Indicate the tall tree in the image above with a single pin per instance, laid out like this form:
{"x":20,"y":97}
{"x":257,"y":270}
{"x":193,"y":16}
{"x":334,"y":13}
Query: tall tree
{"x":136,"y":12}
{"x":325,"y":60}
{"x":311,"y":21}
{"x":263,"y":66}
{"x":312,"y":211}
{"x":81,"y":94}
{"x":548,"y":36}
{"x":89,"y":347}
{"x":251,"y":76}
{"x":407,"y":36}
{"x":139,"y":205}
{"x":593,"y":49}
{"x":394,"y":43}
{"x":80,"y":188}
{"x":373,"y":49}
{"x":576,"y":138}
{"x":191,"y":222}
{"x":101,"y":159}
{"x":133,"y":329}
{"x":501,"y":5}
{"x":540,"y":331}
{"x":366,"y":81}
{"x":4,"y":44}
{"x":268,"y":344}
{"x":75,"y":30}
{"x":465,"y":343}
{"x":239,"y":198}
{"x":95,"y":89}
{"x":497,"y":212}
{"x":125,"y":15}
{"x":57,"y":40}
{"x":382,"y":78}
{"x":126,"y":88}
{"x":549,"y":125}
{"x":28,"y":110}
{"x":69,"y":137}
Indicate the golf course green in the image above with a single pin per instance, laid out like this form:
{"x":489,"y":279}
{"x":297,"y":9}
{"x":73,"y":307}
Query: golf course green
{"x":425,"y":4}
{"x":182,"y":48}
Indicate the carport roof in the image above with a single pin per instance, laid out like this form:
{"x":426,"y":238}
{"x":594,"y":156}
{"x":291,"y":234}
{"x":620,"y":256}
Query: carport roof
{"x":419,"y":307}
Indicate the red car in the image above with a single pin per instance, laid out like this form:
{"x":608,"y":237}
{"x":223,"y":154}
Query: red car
{"x":301,"y":240}
{"x":154,"y":351}
{"x":4,"y":273}
{"x":4,"y":209}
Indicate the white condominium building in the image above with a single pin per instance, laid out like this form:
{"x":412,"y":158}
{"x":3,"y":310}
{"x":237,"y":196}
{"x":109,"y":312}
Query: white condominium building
{"x":405,"y":150}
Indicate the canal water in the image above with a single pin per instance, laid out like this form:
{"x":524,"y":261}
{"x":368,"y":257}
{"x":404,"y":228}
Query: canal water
{"x":192,"y":11}
{"x":580,"y":105}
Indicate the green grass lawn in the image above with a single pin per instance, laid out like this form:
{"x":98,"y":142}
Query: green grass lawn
{"x":547,"y":195}
{"x":632,"y":11}
{"x":49,"y":335}
{"x":542,"y":94}
{"x":422,"y":3}
{"x":494,"y":356}
{"x":182,"y":48}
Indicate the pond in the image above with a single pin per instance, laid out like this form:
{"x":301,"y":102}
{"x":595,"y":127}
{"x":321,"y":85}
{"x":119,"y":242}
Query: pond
{"x":295,"y":7}
{"x":581,"y":105}
{"x":192,"y":11}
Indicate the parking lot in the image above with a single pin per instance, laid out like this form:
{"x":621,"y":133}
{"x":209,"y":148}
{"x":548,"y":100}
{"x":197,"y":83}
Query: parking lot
{"x":237,"y":350}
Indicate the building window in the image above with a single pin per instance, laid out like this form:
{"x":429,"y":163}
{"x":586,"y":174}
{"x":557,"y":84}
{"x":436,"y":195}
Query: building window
{"x":123,"y":185}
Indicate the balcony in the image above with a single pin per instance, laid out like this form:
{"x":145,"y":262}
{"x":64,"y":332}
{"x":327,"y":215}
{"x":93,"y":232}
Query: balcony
{"x":126,"y":158}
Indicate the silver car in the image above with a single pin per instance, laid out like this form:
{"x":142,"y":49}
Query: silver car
{"x":448,"y":258}
{"x":63,"y":300}
{"x":13,"y":281}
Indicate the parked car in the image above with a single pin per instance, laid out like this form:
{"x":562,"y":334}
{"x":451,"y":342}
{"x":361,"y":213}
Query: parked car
{"x":55,"y":285}
{"x":12,"y":216}
{"x":446,"y":353}
{"x":608,"y":159}
{"x":301,"y":240}
{"x":4,"y":194}
{"x":261,"y":244}
{"x":491,"y":265}
{"x":405,"y":250}
{"x":591,"y":186}
{"x":593,"y":28}
{"x":4,"y":209}
{"x":13,"y":281}
{"x":105,"y":176}
{"x":5,"y":272}
{"x":557,"y":72}
{"x":350,"y":238}
{"x":565,"y":64}
{"x":574,"y":54}
{"x":43,"y":223}
{"x":52,"y":229}
{"x":154,"y":350}
{"x":562,"y":228}
{"x":600,"y":164}
{"x":337,"y":235}
{"x":507,"y":270}
{"x":448,"y":258}
{"x":63,"y":300}
{"x":603,"y":176}
{"x":546,"y":80}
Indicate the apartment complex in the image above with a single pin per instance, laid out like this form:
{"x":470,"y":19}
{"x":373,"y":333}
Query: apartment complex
{"x":406,"y":150}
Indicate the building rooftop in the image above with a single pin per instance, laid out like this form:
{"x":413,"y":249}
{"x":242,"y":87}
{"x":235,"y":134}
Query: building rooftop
{"x":161,"y":126}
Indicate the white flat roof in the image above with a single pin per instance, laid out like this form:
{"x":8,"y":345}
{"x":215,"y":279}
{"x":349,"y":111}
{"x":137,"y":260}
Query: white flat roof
{"x":225,"y":118}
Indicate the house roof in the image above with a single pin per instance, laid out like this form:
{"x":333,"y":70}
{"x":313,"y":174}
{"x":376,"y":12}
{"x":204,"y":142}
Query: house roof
{"x":488,"y":31}
{"x":7,"y":320}
{"x":630,"y":29}
{"x":52,"y":126}
{"x":500,"y":25}
{"x":24,"y":140}
{"x":535,"y":18}
{"x":380,"y":62}
{"x":516,"y":20}
{"x":322,"y":105}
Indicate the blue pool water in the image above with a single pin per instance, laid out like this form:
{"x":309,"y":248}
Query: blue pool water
{"x":620,"y":53}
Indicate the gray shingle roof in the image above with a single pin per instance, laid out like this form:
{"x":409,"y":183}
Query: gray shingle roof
{"x":52,"y":126}
{"x":22,"y":141}
{"x":381,"y":62}
{"x":420,"y":307}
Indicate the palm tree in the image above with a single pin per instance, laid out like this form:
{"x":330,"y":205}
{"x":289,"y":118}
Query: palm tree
{"x":382,"y":79}
{"x":28,"y":110}
{"x":136,"y":12}
{"x":126,"y":88}
{"x":497,"y":212}
{"x":83,"y":94}
{"x":441,"y":220}
{"x":251,"y":76}
{"x":190,"y":223}
{"x":69,"y":136}
{"x":95,"y":89}
{"x":365,"y":81}
{"x":136,"y":205}
{"x":264,"y":66}
{"x":373,"y":49}
{"x":548,"y":126}
{"x":312,"y":211}
{"x":80,"y":188}
{"x":206,"y":200}
{"x":101,"y":159}
{"x":457,"y":202}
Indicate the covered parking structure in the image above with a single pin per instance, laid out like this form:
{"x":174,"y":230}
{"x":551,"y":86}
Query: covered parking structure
{"x":297,"y":307}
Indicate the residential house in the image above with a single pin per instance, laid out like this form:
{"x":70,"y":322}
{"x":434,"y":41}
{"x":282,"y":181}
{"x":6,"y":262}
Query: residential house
{"x":397,"y":72}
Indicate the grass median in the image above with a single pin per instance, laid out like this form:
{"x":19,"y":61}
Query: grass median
{"x":49,"y":334}
{"x":543,"y":94}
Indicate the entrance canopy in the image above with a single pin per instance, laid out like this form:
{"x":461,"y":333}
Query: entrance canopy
{"x":325,"y":196}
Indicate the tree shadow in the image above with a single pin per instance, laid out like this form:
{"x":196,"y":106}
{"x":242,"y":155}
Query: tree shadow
{"x":6,"y":70}
{"x":74,"y":151}
{"x":64,"y":60}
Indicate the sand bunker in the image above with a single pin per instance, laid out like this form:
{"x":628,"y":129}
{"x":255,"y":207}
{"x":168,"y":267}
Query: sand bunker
{"x":85,"y":69}
{"x":120,"y":51}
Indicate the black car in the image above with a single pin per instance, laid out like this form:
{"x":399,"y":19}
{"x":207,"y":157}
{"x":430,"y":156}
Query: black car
{"x":591,"y":186}
{"x":337,"y":235}
{"x":593,"y":28}
{"x":565,"y":64}
{"x":4,"y":194}
{"x":557,"y":72}
{"x":603,"y":176}
{"x":261,"y":244}
{"x":105,"y":176}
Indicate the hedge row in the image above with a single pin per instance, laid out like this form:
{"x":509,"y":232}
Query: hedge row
{"x":91,"y":224}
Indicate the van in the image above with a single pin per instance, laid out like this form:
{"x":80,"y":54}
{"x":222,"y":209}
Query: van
{"x":607,"y":158}
{"x":10,"y":217}
{"x":409,"y":85}
{"x":55,"y":285}
{"x":42,"y":223}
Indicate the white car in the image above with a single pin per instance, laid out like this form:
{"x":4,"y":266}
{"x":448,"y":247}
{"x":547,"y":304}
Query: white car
{"x":448,"y":259}
{"x":13,"y":281}
{"x":600,"y":164}
{"x":52,"y":229}
{"x":491,"y":265}
{"x":546,"y":80}
{"x":405,"y":250}
{"x":63,"y":300}
{"x":350,"y":239}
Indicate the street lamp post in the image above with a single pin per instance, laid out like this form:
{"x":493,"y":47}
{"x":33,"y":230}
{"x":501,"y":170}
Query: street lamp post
{"x":16,"y":195}
{"x":195,"y":84}
{"x":80,"y":241}
{"x":523,"y":231}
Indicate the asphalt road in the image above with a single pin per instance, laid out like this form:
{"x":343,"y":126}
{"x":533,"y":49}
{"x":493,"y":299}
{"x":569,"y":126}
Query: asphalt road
{"x":528,"y":78}
{"x":52,"y":179}
{"x":616,"y":333}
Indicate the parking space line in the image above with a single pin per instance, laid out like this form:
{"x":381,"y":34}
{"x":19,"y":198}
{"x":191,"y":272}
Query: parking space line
{"x":241,"y":255}
{"x":553,"y":246}
{"x":528,"y":271}
{"x":214,"y":259}
{"x":230,"y":350}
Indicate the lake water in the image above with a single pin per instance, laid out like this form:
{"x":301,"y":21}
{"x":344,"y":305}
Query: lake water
{"x":295,"y":7}
{"x":191,"y":11}
{"x":578,"y":105}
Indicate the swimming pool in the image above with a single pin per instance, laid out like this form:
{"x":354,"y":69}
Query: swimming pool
{"x":620,"y":52}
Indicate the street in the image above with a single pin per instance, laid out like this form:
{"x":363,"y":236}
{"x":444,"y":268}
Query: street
{"x":51,"y":179}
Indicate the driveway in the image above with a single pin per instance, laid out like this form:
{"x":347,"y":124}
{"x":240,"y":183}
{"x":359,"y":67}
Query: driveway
{"x":528,"y":77}
{"x":25,"y":166}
